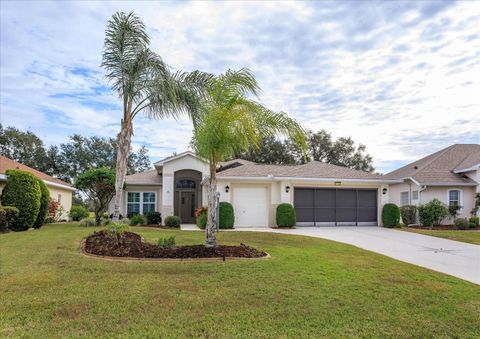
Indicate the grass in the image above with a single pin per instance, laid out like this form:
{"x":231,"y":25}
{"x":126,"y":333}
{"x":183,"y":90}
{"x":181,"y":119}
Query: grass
{"x":472,"y":237}
{"x":309,"y":288}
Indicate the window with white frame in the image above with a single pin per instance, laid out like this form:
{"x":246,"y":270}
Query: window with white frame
{"x":140,"y":202}
{"x":414,"y":195}
{"x":454,"y":198}
{"x":404,"y":201}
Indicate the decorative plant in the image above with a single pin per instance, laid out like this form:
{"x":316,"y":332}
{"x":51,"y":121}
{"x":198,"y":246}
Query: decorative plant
{"x":432,"y":213}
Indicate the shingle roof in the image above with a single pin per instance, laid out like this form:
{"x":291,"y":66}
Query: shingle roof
{"x":437,"y":168}
{"x":147,"y":177}
{"x":7,"y":163}
{"x":314,"y":169}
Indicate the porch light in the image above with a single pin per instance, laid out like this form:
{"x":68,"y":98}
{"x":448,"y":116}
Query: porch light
{"x":384,"y":191}
{"x":227,"y":188}
{"x":287,"y":189}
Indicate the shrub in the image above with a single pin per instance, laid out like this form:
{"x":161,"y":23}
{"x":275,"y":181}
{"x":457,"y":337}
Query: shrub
{"x":105,"y":221}
{"x":53,"y":207}
{"x":23,"y":192}
{"x":138,"y":219}
{"x":167,"y":242}
{"x":201,"y":217}
{"x":87,"y":222}
{"x":172,"y":221}
{"x":43,"y":211}
{"x":8,"y":216}
{"x":432,"y":213}
{"x":461,"y":223}
{"x":154,"y":218}
{"x":409,"y":214}
{"x":125,"y":221}
{"x":390,"y":215}
{"x":116,"y":228}
{"x":474,"y":221}
{"x":285,"y":215}
{"x":453,"y":210}
{"x":78,"y":212}
{"x":226,"y":217}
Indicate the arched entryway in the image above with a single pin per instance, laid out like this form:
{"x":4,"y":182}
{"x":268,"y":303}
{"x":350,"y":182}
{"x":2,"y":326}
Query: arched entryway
{"x":188,"y":194}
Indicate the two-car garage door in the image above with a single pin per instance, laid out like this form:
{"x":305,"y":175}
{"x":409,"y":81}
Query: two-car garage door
{"x":335,"y":206}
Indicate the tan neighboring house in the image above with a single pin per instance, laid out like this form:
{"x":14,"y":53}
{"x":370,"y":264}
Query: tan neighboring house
{"x":452,"y":175}
{"x":59,"y":190}
{"x":322,"y":194}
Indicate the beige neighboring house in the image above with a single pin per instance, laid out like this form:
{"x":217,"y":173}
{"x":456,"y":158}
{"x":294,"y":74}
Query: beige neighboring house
{"x":452,"y":175}
{"x":59,"y":190}
{"x":322,"y":194}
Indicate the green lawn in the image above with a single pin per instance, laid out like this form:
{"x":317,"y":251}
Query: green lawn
{"x":309,"y":288}
{"x":472,"y":237}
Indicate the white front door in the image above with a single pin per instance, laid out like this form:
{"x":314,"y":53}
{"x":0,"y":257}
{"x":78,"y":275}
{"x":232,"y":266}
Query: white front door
{"x":250,"y":206}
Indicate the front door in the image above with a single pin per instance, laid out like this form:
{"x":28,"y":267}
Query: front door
{"x":187,"y":207}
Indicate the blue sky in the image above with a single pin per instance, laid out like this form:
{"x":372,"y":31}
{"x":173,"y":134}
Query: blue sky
{"x":403,"y":78}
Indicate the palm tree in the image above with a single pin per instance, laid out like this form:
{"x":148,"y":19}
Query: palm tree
{"x":144,"y":83}
{"x":228,"y":123}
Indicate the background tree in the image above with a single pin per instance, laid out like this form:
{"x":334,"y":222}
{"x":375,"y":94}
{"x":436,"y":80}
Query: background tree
{"x":144,"y":84}
{"x":229,"y":123}
{"x":99,"y":185}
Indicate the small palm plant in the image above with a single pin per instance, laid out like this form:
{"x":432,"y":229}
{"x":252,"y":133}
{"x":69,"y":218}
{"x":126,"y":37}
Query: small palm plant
{"x":144,"y":84}
{"x":228,"y":122}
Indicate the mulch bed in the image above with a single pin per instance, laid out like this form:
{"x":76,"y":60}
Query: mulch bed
{"x":132,"y":245}
{"x":442,"y":228}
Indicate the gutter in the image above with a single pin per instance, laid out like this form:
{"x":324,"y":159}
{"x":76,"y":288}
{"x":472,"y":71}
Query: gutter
{"x":273,"y":178}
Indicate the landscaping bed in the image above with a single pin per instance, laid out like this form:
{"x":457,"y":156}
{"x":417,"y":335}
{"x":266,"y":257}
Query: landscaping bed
{"x":440,"y":228}
{"x":132,"y":245}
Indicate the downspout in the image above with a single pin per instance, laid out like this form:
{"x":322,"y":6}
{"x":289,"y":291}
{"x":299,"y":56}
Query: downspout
{"x":422,"y":188}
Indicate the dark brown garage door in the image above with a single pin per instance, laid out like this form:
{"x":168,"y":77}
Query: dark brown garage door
{"x":335,"y":206}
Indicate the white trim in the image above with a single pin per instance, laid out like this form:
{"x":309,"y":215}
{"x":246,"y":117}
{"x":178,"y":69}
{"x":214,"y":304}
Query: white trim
{"x":408,"y":198}
{"x":3,"y":177}
{"x":180,"y":155}
{"x":272,"y":178}
{"x":460,"y":198}
{"x":142,"y":184}
{"x":413,"y":180}
{"x":473,"y":168}
{"x":140,"y":211}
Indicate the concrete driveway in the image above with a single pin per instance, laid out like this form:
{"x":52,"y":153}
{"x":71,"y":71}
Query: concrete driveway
{"x":455,"y":258}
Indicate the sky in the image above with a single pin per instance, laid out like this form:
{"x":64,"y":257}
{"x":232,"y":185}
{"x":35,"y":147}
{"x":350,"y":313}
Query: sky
{"x":402,"y":78}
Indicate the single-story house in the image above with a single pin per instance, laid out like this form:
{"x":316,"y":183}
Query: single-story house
{"x":59,"y":190}
{"x":452,"y":175}
{"x":322,"y":194}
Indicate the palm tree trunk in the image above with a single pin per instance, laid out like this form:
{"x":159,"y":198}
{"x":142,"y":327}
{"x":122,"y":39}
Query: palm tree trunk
{"x":123,"y":149}
{"x":210,"y":239}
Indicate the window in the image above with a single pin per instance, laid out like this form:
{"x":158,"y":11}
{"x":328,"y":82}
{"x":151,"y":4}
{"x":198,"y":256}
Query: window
{"x":414,"y":195}
{"x":404,"y":201}
{"x":59,"y":198}
{"x":148,"y":202}
{"x":133,"y":203}
{"x":140,"y":202}
{"x":454,"y":198}
{"x":185,"y":183}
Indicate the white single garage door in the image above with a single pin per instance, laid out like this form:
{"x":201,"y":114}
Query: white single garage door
{"x":250,"y":206}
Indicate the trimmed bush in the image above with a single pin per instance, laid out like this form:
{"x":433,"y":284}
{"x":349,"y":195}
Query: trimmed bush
{"x":154,"y":218}
{"x":43,"y":211}
{"x":285,"y":215}
{"x":461,"y":223}
{"x":8,"y":216}
{"x":390,"y":215}
{"x":432,"y":213}
{"x":409,"y":214}
{"x":87,"y":222}
{"x":172,"y":221}
{"x":227,"y":217}
{"x":138,"y":220}
{"x":78,"y":212}
{"x":473,"y":221}
{"x":23,"y":192}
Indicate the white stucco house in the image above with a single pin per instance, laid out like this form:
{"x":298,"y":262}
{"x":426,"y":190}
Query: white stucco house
{"x":452,"y":175}
{"x":322,"y":194}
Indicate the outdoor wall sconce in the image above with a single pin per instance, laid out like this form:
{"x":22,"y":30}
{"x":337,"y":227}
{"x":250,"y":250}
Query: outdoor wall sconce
{"x":287,"y":189}
{"x":227,"y":188}
{"x":384,"y":191}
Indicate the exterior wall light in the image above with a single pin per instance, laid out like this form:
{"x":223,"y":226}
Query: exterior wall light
{"x":384,"y":191}
{"x":227,"y":188}
{"x":287,"y":189}
{"x":338,"y":183}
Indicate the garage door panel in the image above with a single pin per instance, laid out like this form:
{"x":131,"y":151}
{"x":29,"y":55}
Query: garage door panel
{"x":367,"y":198}
{"x":367,"y":215}
{"x":325,"y":215}
{"x":325,"y":198}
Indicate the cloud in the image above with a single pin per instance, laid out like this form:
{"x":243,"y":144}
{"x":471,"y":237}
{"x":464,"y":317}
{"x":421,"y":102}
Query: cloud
{"x":399,"y":77}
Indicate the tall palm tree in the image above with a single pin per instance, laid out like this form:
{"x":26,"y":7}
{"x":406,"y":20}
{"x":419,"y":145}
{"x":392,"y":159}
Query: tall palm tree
{"x":144,"y":83}
{"x":228,"y":122}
